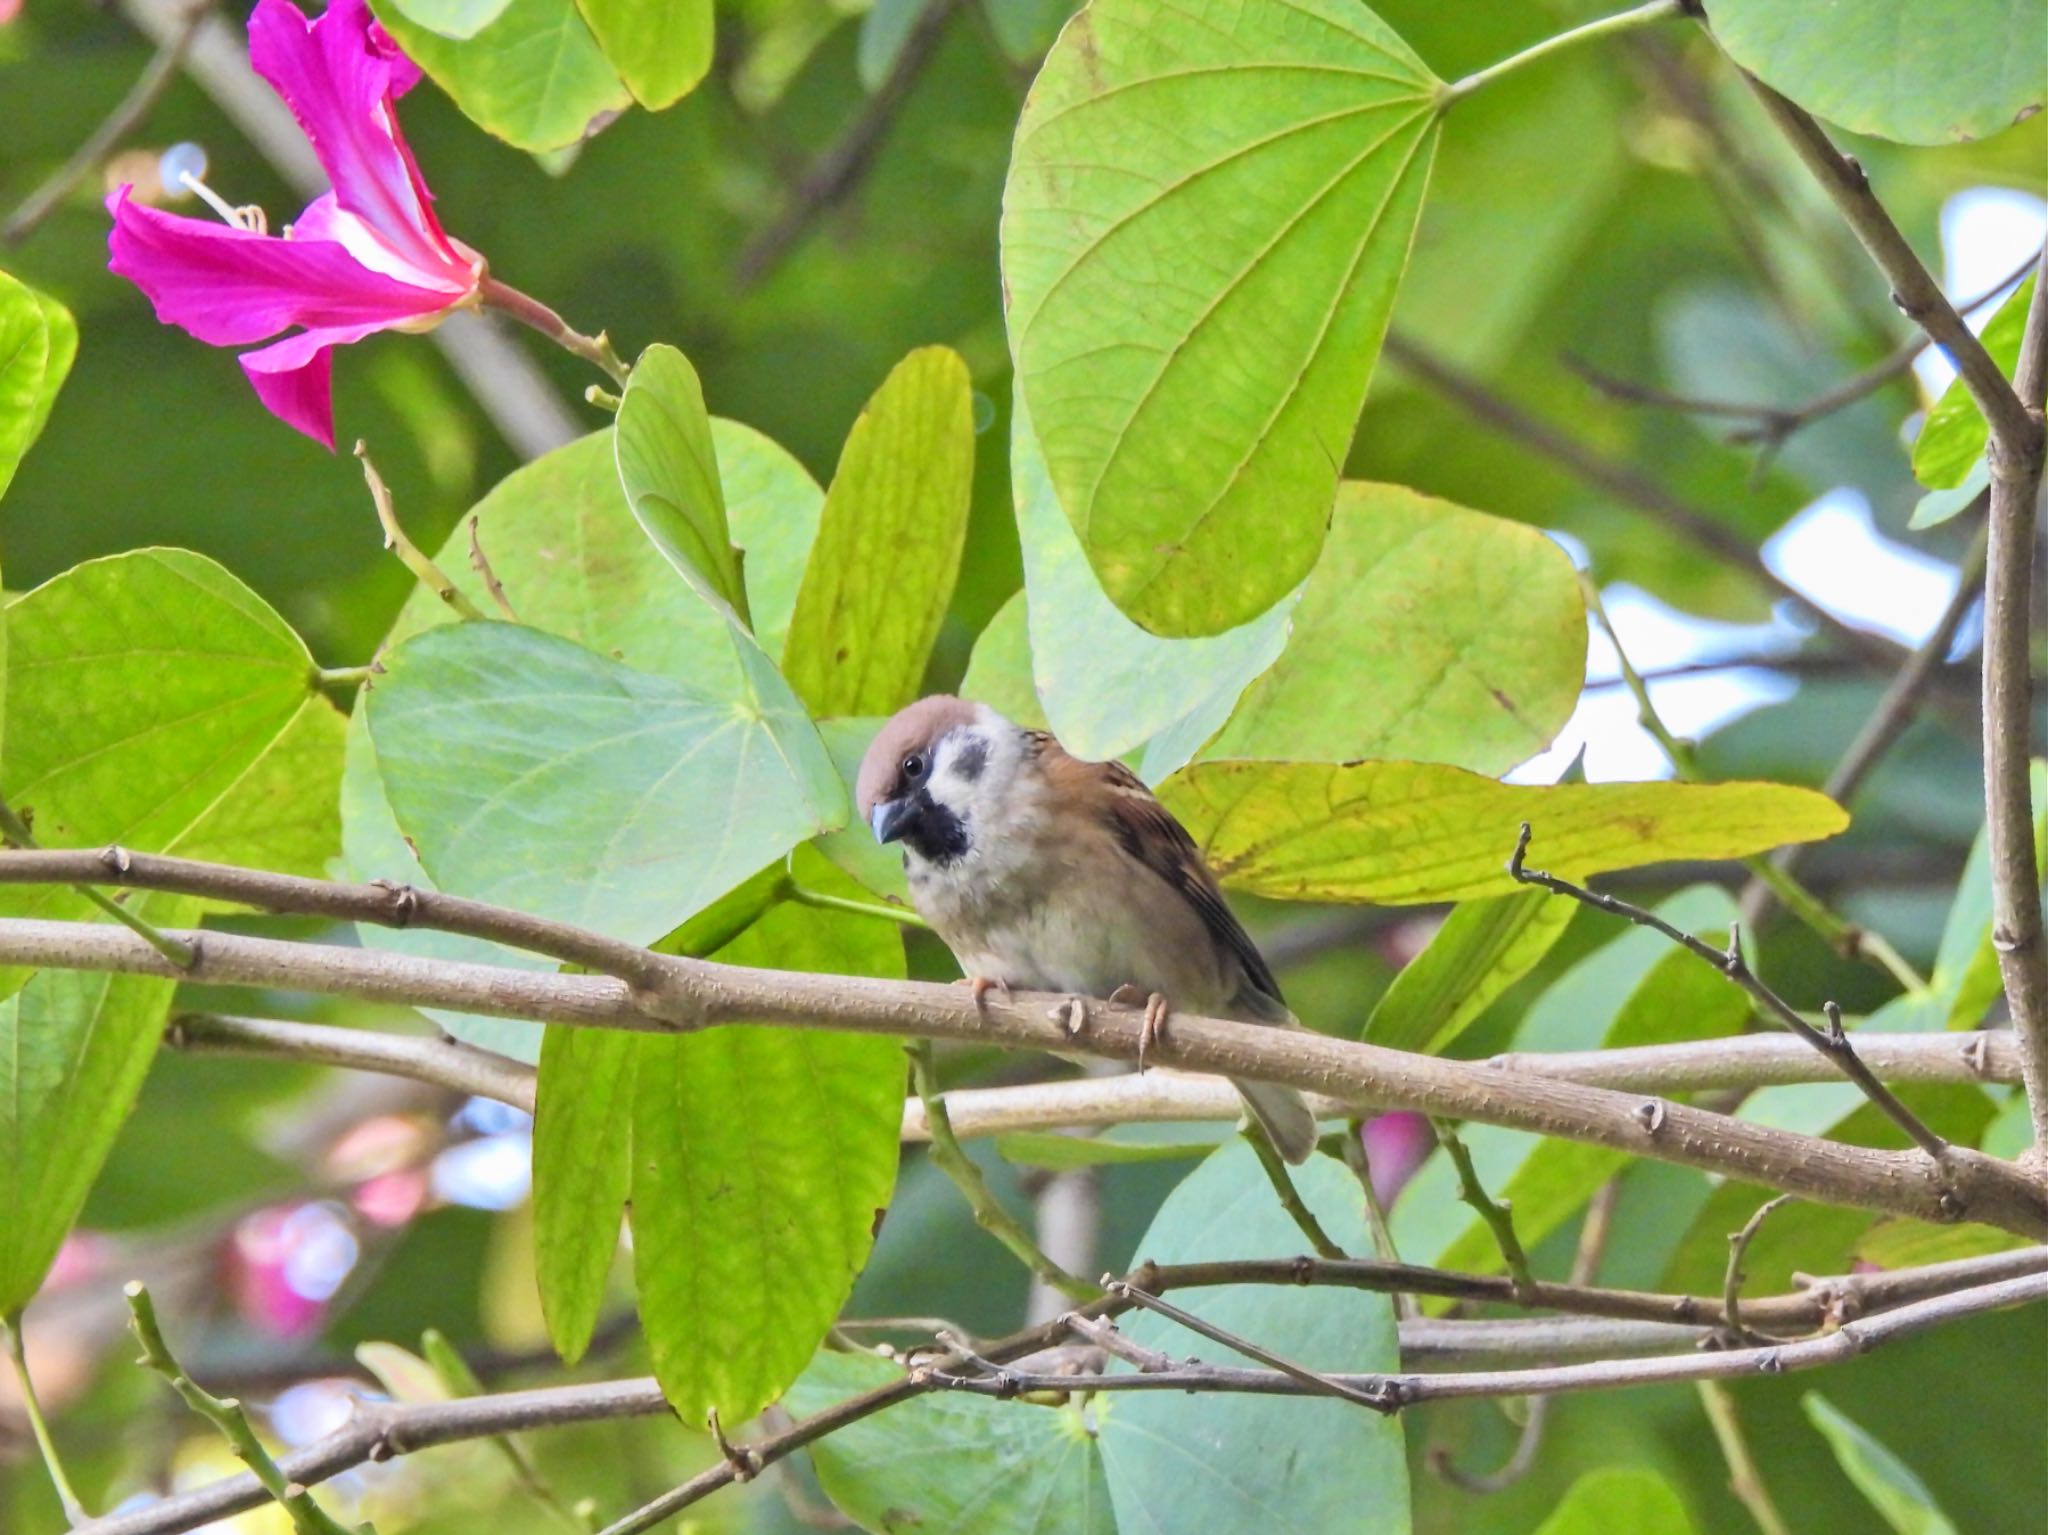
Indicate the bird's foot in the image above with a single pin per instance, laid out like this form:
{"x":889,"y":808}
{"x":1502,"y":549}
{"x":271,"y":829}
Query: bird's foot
{"x":1153,"y":1028}
{"x":981,"y":986}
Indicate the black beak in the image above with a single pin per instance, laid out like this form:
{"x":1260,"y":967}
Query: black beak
{"x":893,"y":817}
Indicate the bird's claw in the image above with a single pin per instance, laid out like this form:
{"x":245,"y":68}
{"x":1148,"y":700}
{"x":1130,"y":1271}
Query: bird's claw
{"x":1153,"y":1028}
{"x":981,"y":986}
{"x":1127,"y":995}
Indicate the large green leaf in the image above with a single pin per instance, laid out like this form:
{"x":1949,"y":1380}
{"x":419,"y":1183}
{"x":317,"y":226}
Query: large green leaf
{"x":670,"y":470}
{"x":74,"y":1048}
{"x":949,"y":1461}
{"x":582,"y":1165}
{"x":1952,"y":439}
{"x":1919,"y":71}
{"x":38,"y":339}
{"x":1106,"y":684}
{"x":534,"y":75}
{"x":1191,"y":1462}
{"x":530,"y":771}
{"x":1888,"y":1482}
{"x":882,"y":570}
{"x":999,"y":670}
{"x":157,"y":702}
{"x":1482,"y":949}
{"x":1272,"y":158}
{"x":661,"y":48}
{"x":1426,"y":632}
{"x":1618,"y":1498}
{"x":1398,"y":832}
{"x":762,"y":1162}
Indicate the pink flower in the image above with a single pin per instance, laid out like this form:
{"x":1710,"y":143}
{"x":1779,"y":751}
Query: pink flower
{"x":365,"y":257}
{"x":1396,"y":1146}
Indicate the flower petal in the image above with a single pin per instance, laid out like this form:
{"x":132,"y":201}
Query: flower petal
{"x":227,"y":286}
{"x":341,"y":86}
{"x":326,"y":219}
{"x":294,"y":378}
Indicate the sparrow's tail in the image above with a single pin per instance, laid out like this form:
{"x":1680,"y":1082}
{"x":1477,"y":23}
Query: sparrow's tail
{"x":1283,"y":1114}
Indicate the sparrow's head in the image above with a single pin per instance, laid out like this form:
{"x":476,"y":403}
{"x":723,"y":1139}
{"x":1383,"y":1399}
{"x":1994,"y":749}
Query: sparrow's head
{"x":933,"y":771}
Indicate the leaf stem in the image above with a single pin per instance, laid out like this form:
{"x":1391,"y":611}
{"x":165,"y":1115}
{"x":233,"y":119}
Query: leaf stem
{"x":1744,"y":1480}
{"x":14,"y":831}
{"x":344,"y":676}
{"x":1290,"y":1196}
{"x":32,"y":1407}
{"x":803,"y":895}
{"x":966,"y":1176}
{"x":596,"y":350}
{"x":1493,"y":1211}
{"x":430,"y":575}
{"x":1642,"y":15}
{"x":227,"y":1415}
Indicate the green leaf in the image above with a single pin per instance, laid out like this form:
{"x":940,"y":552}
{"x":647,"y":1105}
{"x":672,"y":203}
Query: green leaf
{"x":1482,"y":949}
{"x":1253,"y":1462}
{"x":1426,"y":632}
{"x":1952,"y":439}
{"x":1906,"y":1243}
{"x":535,"y":76}
{"x":1060,"y":1153}
{"x":157,"y":702}
{"x":1109,"y":686}
{"x":999,"y":670}
{"x":762,"y":1162}
{"x":1024,"y":29}
{"x":883,"y":32}
{"x":528,"y":771}
{"x":1939,"y":506}
{"x":38,"y":340}
{"x":853,"y":847}
{"x":882,"y":570}
{"x":661,"y":48}
{"x":1918,"y":71}
{"x":949,"y":1461}
{"x":1966,"y":963}
{"x":74,"y":1048}
{"x":1888,"y":1482}
{"x":456,"y":19}
{"x":582,"y":1161}
{"x":1619,"y":1498}
{"x":670,"y":470}
{"x":1401,"y":832}
{"x":1272,"y":158}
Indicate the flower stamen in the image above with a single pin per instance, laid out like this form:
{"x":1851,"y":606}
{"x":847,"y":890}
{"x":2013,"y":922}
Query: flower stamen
{"x":248,"y":216}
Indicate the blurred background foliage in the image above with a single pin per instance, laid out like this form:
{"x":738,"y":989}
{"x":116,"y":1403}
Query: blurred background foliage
{"x":1619,"y":211}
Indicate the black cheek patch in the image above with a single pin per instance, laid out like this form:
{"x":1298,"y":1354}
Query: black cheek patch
{"x":938,"y":836}
{"x":971,"y":760}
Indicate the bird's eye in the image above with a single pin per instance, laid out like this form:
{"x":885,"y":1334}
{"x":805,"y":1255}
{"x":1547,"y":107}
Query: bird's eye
{"x":914,"y":766}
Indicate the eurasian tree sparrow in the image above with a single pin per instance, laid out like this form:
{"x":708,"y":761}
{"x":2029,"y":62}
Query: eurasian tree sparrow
{"x":1047,"y":873}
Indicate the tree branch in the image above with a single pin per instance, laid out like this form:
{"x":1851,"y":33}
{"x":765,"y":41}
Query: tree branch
{"x":687,"y":993}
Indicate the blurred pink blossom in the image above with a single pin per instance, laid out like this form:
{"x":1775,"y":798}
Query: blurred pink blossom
{"x":1396,"y":1146}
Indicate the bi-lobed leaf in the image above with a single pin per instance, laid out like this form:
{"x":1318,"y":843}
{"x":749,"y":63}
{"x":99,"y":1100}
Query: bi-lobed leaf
{"x":533,"y":75}
{"x":530,"y":771}
{"x":661,"y":48}
{"x":1482,"y":949}
{"x":1197,"y":1462}
{"x":888,"y":549}
{"x":1917,"y":71}
{"x":1271,"y":157}
{"x":1107,"y":685}
{"x":669,"y":467}
{"x":1405,"y":832}
{"x":1427,"y":633}
{"x":1952,"y":439}
{"x":38,"y":340}
{"x":74,"y":1048}
{"x":762,"y":1162}
{"x":950,"y":1461}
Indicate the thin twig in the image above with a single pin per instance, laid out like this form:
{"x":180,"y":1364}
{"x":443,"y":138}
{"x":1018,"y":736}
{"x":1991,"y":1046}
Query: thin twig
{"x":39,"y":1426}
{"x":415,"y":559}
{"x":128,"y":113}
{"x":1494,"y":1212}
{"x":839,"y":167}
{"x":1315,"y":1380}
{"x":227,"y":1415}
{"x":1625,"y":484}
{"x":1732,"y":1281}
{"x":1744,"y":1480}
{"x":989,"y":1213}
{"x":481,"y":564}
{"x":182,"y":952}
{"x":1289,"y":1196}
{"x":1834,"y":1043}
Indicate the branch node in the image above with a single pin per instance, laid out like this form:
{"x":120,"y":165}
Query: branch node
{"x":117,"y":859}
{"x":404,"y":901}
{"x":1650,"y":1115}
{"x":745,"y":1464}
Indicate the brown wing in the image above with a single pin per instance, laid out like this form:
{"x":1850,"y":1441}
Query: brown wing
{"x":1148,"y":832}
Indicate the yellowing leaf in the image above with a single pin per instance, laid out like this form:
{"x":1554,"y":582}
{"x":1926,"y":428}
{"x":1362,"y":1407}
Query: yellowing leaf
{"x":1400,"y":832}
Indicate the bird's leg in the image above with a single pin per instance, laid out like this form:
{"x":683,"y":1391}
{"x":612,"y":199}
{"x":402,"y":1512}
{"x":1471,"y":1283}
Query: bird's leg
{"x":1154,"y":1027}
{"x":981,"y":986}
